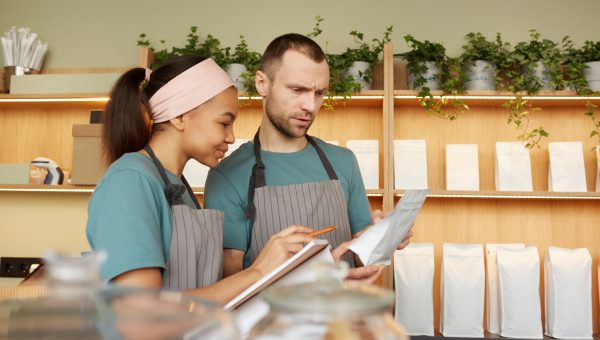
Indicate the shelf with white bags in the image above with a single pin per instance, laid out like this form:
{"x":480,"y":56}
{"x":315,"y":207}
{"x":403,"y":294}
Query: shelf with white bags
{"x":519,"y":195}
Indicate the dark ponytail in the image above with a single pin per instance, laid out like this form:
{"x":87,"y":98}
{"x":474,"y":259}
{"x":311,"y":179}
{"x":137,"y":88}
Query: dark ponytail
{"x":127,"y":122}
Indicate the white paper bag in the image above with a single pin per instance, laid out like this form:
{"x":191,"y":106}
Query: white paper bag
{"x":232,"y":147}
{"x":519,"y":287}
{"x":410,"y":164}
{"x":567,"y":171}
{"x":492,"y":310}
{"x":367,"y":155}
{"x":568,"y":288}
{"x":513,"y":167}
{"x":462,"y":290}
{"x":378,"y":243}
{"x":413,"y":273}
{"x":195,"y":173}
{"x":462,"y":167}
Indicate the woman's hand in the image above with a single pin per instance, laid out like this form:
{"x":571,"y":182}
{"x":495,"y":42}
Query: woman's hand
{"x":281,"y":247}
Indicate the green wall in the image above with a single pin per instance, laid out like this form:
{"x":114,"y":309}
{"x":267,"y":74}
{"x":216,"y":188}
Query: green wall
{"x":92,"y":33}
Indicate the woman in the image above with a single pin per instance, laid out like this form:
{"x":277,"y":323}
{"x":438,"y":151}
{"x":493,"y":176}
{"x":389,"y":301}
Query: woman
{"x":143,"y":212}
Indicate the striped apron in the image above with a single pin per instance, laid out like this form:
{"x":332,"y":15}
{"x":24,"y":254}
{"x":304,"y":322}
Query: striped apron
{"x":196,"y":251}
{"x":315,"y":204}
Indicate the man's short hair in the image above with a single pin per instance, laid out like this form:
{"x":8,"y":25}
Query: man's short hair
{"x":273,"y":55}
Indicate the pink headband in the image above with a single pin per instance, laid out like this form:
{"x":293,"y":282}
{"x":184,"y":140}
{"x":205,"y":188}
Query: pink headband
{"x":188,"y":90}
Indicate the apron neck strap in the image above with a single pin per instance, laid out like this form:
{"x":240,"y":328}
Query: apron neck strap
{"x":173,"y":192}
{"x":257,"y":178}
{"x":326,"y":164}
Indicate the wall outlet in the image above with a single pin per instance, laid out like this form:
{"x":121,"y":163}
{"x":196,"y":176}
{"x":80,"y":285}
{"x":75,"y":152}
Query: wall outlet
{"x":17,"y":266}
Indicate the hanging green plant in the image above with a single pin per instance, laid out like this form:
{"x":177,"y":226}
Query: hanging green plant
{"x":592,"y":113}
{"x":520,"y":110}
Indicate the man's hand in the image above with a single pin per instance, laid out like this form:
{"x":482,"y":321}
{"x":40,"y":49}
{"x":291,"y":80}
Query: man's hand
{"x":378,"y":215}
{"x":367,"y":274}
{"x":406,"y":240}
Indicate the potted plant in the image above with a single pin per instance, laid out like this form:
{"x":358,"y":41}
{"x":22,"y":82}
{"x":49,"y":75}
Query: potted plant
{"x":573,"y":67}
{"x":479,"y":59}
{"x":210,"y":48}
{"x":590,"y":56}
{"x":430,"y":69}
{"x":241,"y":65}
{"x":540,"y":61}
{"x":425,"y":62}
{"x":358,"y":62}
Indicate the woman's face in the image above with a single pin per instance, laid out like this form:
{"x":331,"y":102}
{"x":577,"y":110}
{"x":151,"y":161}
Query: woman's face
{"x":208,"y":128}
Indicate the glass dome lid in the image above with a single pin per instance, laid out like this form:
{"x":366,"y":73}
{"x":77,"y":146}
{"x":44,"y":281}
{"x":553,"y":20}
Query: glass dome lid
{"x":346,"y":298}
{"x":70,"y":302}
{"x":41,"y":312}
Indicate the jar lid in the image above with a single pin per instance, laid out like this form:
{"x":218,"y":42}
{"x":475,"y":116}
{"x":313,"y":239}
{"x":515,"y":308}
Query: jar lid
{"x":330,"y":297}
{"x":110,"y":312}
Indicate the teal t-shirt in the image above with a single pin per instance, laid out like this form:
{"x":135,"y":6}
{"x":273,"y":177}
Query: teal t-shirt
{"x":129,"y":216}
{"x":227,"y":185}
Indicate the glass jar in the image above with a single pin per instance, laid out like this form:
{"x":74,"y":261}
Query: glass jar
{"x":328,"y":310}
{"x":72,"y":303}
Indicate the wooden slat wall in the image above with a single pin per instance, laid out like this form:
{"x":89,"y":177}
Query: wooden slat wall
{"x":487,"y":125}
{"x":33,"y":130}
{"x":542,"y":223}
{"x":29,"y":133}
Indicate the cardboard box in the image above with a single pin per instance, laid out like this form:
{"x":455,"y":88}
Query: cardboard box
{"x":88,"y":165}
{"x":14,"y":173}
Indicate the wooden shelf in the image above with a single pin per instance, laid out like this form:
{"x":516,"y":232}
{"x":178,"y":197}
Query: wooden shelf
{"x":41,"y":188}
{"x":35,"y":125}
{"x":365,"y":98}
{"x":519,"y":195}
{"x":495,"y":98}
{"x":69,"y":188}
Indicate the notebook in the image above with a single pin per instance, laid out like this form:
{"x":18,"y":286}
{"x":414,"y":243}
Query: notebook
{"x":309,"y":250}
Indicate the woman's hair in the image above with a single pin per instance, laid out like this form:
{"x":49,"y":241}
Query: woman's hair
{"x":127,"y":121}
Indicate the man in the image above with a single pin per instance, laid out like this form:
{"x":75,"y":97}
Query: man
{"x":284,"y":176}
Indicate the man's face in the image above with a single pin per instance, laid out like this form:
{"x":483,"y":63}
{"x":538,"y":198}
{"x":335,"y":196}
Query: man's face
{"x":294,"y":94}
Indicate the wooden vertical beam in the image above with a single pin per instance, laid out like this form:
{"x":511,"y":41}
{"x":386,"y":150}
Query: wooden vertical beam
{"x":388,"y":127}
{"x":387,"y":279}
{"x":146,"y":57}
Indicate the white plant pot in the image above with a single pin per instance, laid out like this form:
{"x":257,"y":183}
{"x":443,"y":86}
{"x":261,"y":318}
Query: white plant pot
{"x":235,"y":73}
{"x":432,"y":77}
{"x":480,"y":77}
{"x":356,"y":69}
{"x":540,"y":72}
{"x":592,"y":75}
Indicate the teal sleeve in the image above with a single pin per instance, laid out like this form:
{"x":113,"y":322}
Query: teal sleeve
{"x":124,"y":221}
{"x":220,"y":194}
{"x":359,"y":210}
